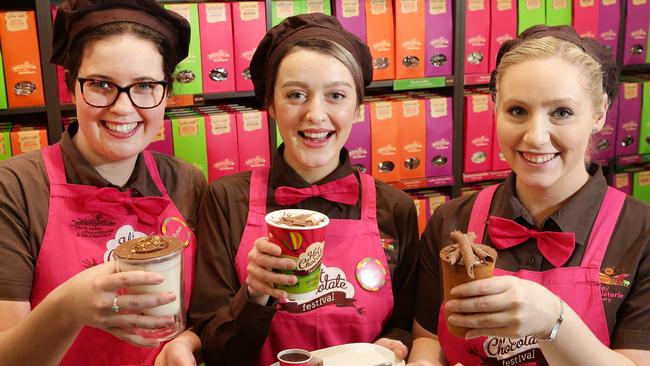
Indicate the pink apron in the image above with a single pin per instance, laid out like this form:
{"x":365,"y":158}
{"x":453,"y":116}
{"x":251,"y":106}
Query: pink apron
{"x":341,"y":310}
{"x":578,"y":287}
{"x":85,"y":223}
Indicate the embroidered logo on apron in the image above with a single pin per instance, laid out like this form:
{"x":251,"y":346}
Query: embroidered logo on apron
{"x":93,"y":226}
{"x":614,"y":284}
{"x":123,"y":234}
{"x":333,"y":289}
{"x":512,"y":351}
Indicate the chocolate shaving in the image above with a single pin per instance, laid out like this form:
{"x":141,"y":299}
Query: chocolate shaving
{"x":300,"y":220}
{"x":468,"y":253}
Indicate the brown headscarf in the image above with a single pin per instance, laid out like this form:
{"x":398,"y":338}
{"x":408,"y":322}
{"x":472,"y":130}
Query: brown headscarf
{"x":280,"y":38}
{"x":600,"y":53}
{"x":77,"y":16}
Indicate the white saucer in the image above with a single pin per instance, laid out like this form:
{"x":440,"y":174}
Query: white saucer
{"x":357,"y":354}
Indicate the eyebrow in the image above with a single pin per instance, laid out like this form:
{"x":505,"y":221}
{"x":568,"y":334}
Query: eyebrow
{"x":328,"y":85}
{"x":546,"y":103}
{"x":104,"y":77}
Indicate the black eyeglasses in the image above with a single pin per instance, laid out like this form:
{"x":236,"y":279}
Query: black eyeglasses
{"x":143,"y":94}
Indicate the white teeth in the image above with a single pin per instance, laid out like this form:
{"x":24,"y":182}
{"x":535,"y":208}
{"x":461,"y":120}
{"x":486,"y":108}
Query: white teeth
{"x":120,"y":127}
{"x":312,"y":135}
{"x":537,"y":158}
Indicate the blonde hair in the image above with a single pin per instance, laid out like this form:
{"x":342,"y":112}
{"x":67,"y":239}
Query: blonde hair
{"x":548,"y":47}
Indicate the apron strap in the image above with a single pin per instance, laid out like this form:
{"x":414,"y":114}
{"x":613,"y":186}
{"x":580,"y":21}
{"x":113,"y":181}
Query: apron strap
{"x":53,"y":159}
{"x":258,"y":191}
{"x":603,"y":227}
{"x":152,"y":168}
{"x":480,"y":212}
{"x":368,"y":197}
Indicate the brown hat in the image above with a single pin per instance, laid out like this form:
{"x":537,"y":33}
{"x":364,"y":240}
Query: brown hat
{"x":77,"y":16}
{"x":279,"y":39}
{"x":599,"y":52}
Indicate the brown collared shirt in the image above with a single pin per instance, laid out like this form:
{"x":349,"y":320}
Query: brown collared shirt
{"x":24,"y":203}
{"x":625,"y":271}
{"x":232,"y":328}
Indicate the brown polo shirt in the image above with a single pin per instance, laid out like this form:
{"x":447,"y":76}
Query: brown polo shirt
{"x":24,"y":203}
{"x":232,"y":328}
{"x":625,"y":271}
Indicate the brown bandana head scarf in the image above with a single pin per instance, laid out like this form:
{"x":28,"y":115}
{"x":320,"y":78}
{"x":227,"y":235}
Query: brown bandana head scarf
{"x":593,"y":48}
{"x":280,"y":38}
{"x":77,"y":16}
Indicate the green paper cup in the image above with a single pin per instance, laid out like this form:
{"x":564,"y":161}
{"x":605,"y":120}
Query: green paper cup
{"x":301,"y":236}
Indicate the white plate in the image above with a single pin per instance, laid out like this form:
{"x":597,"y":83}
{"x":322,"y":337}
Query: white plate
{"x":358,"y":354}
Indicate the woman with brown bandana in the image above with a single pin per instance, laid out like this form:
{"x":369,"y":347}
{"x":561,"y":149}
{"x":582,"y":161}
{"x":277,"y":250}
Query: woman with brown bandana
{"x":310,"y":73}
{"x":63,"y":210}
{"x":554,"y":222}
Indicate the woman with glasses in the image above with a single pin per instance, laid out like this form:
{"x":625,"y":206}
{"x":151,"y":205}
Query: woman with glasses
{"x":63,"y":210}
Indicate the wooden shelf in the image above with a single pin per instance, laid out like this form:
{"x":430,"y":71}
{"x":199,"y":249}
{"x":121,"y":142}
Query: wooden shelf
{"x":22,"y":110}
{"x":635,"y":69}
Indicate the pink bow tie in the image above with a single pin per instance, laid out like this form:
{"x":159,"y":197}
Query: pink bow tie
{"x":556,"y":247}
{"x":344,"y":190}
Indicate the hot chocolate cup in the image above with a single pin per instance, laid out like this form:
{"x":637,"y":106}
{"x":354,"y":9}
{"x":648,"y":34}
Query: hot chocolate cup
{"x":302,"y":244}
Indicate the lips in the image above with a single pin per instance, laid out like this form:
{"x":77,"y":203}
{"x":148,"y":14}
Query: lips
{"x":316,"y":136}
{"x":537,"y":158}
{"x":121,"y":128}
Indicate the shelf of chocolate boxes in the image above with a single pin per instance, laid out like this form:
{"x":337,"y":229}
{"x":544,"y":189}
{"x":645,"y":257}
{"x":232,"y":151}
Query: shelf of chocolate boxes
{"x":405,"y":138}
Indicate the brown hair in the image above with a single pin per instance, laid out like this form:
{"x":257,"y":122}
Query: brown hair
{"x":325,"y":47}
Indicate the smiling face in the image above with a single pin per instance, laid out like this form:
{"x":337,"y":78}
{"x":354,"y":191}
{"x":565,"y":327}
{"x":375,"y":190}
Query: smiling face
{"x":545,"y":116}
{"x":121,"y":131}
{"x":314,"y":104}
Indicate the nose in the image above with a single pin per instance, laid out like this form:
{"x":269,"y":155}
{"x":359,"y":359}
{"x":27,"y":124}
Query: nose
{"x":316,"y":111}
{"x":122,"y":104}
{"x":537,"y":130}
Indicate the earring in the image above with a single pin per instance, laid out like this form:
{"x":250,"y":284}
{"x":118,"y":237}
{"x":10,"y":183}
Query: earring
{"x":594,"y":130}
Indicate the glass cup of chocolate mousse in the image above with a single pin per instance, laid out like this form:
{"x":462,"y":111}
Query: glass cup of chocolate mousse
{"x":163,"y":255}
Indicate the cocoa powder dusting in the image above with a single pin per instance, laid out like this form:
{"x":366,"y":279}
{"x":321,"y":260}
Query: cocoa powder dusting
{"x":149,"y":244}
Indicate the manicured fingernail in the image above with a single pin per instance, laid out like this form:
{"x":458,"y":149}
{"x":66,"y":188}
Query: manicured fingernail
{"x":291,"y":265}
{"x":453,"y":291}
{"x":171,"y":296}
{"x":450,"y":305}
{"x":452,"y":319}
{"x":159,"y":278}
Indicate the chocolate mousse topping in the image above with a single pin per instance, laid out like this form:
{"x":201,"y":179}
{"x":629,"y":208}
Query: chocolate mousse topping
{"x":148,"y":247}
{"x":300,"y":220}
{"x":465,"y":252}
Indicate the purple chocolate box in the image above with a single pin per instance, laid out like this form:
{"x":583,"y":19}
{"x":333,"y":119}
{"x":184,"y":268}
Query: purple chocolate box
{"x":439,"y":32}
{"x":358,"y":143}
{"x":439,"y":136}
{"x":629,"y":119}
